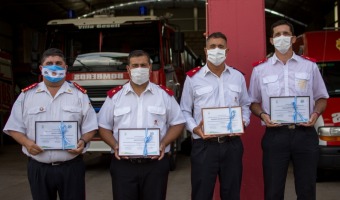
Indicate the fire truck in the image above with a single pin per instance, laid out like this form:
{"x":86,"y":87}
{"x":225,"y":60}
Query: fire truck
{"x":7,"y":89}
{"x":324,"y":47}
{"x":96,"y":50}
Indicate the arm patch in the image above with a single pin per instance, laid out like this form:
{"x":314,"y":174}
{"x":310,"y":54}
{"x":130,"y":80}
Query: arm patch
{"x":113,"y":91}
{"x":167,"y":90}
{"x":79,"y":87}
{"x":308,"y":58}
{"x":259,"y":62}
{"x":193,"y":71}
{"x":29,"y":87}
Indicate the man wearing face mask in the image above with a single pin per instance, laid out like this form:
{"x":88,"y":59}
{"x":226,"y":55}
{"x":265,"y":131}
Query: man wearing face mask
{"x":283,"y":75}
{"x":140,"y":105}
{"x":215,"y":85}
{"x":53,"y":121}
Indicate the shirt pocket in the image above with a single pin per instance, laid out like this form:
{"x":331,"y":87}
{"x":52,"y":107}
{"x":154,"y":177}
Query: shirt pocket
{"x":122,"y":117}
{"x":35,"y":114}
{"x":203,"y":90}
{"x":203,"y":95}
{"x":71,"y":113}
{"x":156,"y":116}
{"x":234,"y":93}
{"x":301,"y":82}
{"x":271,"y":84}
{"x":36,"y":110}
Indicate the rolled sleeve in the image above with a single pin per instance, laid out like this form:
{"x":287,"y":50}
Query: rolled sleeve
{"x":15,"y":122}
{"x":186,"y":105}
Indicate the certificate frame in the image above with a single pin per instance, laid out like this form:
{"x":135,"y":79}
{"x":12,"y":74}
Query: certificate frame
{"x":132,"y":142}
{"x":282,"y":109}
{"x":216,"y":121}
{"x":48,"y":135}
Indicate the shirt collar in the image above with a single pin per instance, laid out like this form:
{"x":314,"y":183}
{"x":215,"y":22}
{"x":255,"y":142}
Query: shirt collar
{"x":129,"y":88}
{"x":65,"y":87}
{"x":275,"y":59}
{"x":206,"y":69}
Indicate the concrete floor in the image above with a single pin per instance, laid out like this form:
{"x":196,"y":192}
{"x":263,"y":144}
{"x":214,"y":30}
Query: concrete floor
{"x":14,"y":184}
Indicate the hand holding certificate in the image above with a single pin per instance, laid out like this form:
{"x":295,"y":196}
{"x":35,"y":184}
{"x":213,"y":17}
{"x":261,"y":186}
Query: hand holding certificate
{"x":139,"y":142}
{"x":222,"y":120}
{"x":289,"y":110}
{"x":56,"y":134}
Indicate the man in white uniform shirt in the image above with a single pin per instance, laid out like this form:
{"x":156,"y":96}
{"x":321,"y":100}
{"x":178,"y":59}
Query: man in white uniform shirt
{"x":215,"y":85}
{"x":59,"y":169}
{"x":140,"y":104}
{"x":286,"y":74}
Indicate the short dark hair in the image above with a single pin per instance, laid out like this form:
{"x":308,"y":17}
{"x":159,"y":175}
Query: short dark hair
{"x":52,"y":52}
{"x":217,"y":35}
{"x":138,"y":53}
{"x":282,"y":22}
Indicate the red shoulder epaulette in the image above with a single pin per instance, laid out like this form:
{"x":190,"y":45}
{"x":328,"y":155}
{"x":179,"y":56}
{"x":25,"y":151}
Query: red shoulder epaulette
{"x":259,"y":62}
{"x":308,"y":58}
{"x":193,"y":71}
{"x":113,"y":91}
{"x":29,"y":87}
{"x":167,"y":90}
{"x":79,"y":87}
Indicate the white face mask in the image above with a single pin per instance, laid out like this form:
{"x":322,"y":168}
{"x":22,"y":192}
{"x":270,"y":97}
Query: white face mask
{"x":216,"y":56}
{"x":140,"y":75}
{"x":282,"y":43}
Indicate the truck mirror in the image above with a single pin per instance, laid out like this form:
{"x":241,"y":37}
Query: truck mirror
{"x":178,"y":42}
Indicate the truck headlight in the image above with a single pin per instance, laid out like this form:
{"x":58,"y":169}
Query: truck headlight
{"x":329,"y":133}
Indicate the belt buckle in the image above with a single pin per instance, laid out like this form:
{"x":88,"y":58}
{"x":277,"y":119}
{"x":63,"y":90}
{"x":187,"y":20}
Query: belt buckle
{"x":221,"y":139}
{"x":55,"y":163}
{"x":291,"y":126}
{"x":135,"y":160}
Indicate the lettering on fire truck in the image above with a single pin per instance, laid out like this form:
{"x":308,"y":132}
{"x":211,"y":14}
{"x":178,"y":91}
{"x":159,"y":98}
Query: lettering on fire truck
{"x":98,"y":76}
{"x":99,"y":26}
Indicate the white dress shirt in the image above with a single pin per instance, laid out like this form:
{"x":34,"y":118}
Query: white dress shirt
{"x":37,"y":104}
{"x":298,"y":77}
{"x":205,"y":90}
{"x":154,"y":108}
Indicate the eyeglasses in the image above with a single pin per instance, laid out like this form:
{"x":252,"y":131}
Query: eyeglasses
{"x":144,"y":65}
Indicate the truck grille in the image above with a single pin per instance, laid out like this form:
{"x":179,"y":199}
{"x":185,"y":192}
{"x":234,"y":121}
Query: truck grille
{"x":95,"y":92}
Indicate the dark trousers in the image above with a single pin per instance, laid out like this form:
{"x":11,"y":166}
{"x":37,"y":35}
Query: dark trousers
{"x":67,"y":179}
{"x":280,"y":147}
{"x":209,"y":160}
{"x":139,"y":181}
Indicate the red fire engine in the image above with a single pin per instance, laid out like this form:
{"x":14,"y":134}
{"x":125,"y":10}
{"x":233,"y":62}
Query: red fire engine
{"x":324,"y":47}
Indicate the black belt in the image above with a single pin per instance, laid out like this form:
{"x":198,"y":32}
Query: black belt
{"x":290,"y":126}
{"x":222,"y":139}
{"x":142,"y":160}
{"x":58,"y":162}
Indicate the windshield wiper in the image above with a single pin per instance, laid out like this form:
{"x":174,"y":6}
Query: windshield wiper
{"x":85,"y":66}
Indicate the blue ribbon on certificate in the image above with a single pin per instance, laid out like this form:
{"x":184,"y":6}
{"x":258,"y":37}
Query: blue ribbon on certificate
{"x":296,"y":112}
{"x":147,"y":139}
{"x":63,"y":130}
{"x":231,"y":117}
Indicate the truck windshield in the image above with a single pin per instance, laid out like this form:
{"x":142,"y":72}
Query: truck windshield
{"x":100,"y":62}
{"x":123,"y":39}
{"x":331,"y":75}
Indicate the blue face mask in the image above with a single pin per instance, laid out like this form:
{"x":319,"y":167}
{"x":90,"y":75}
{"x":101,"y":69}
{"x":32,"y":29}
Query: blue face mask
{"x":53,"y":73}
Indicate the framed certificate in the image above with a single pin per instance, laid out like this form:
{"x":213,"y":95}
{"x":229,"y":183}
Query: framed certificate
{"x":289,"y":110}
{"x":139,"y":142}
{"x":56,"y":134}
{"x":222,"y":120}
